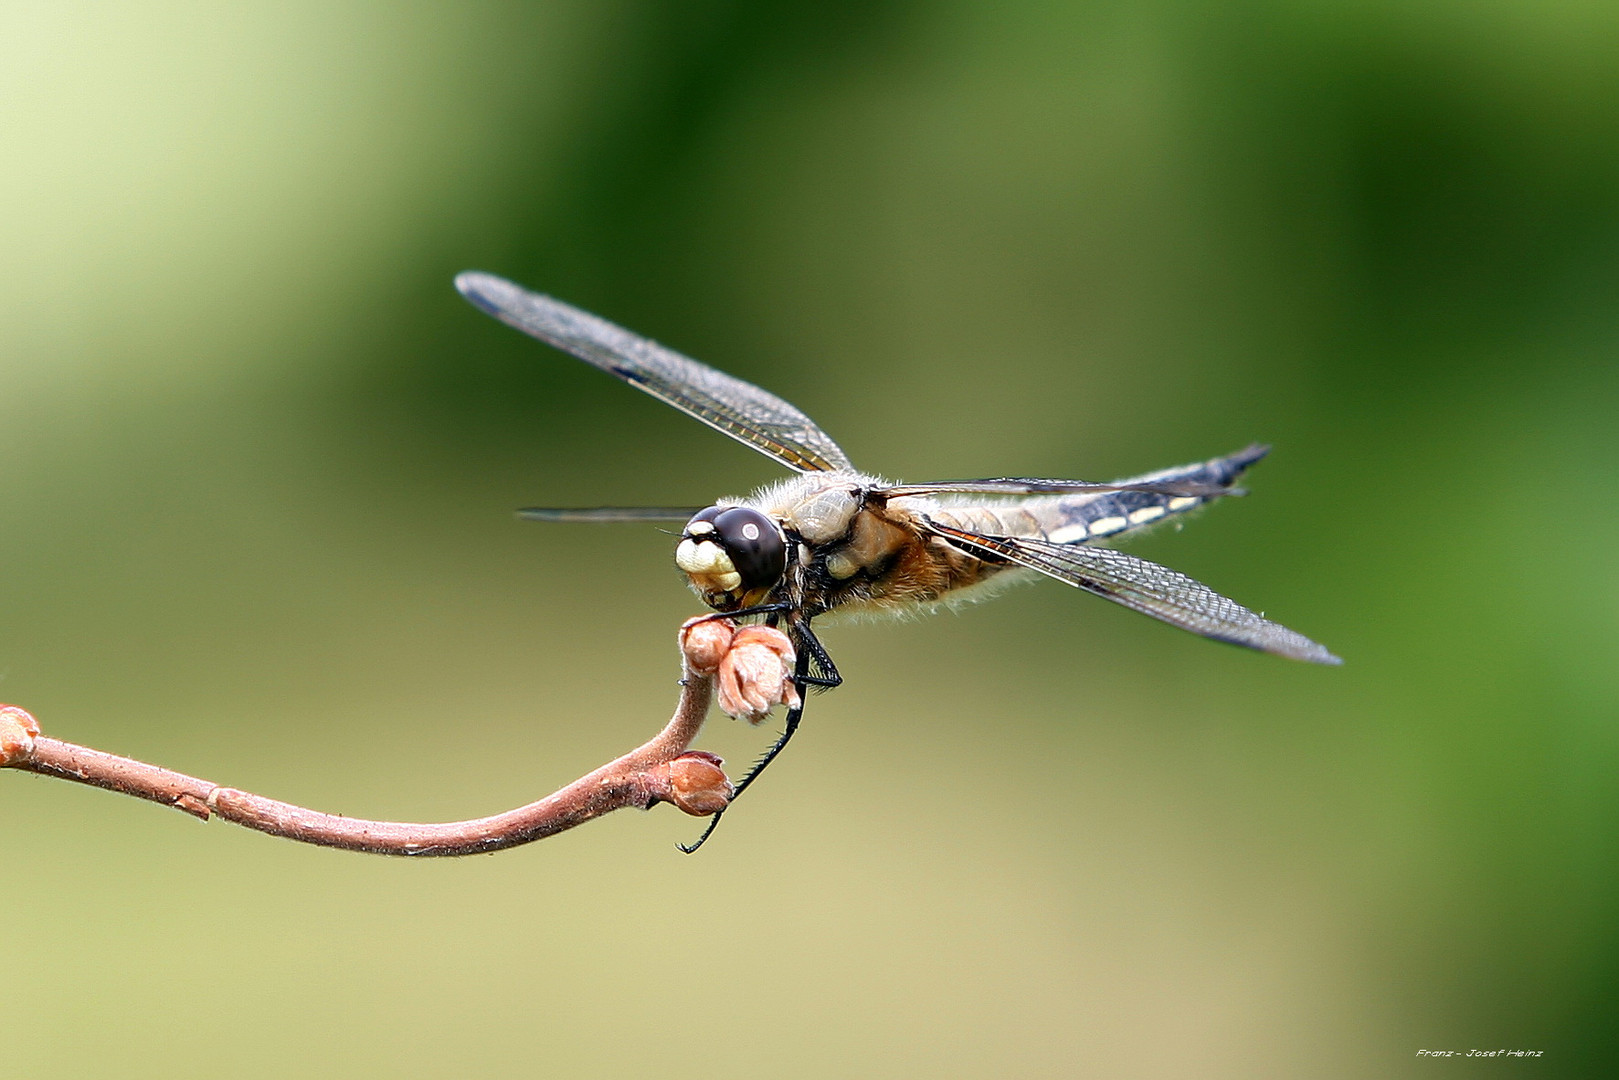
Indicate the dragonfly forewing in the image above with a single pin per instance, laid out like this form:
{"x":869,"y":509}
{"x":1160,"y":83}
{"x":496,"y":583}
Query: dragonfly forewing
{"x":741,"y":410}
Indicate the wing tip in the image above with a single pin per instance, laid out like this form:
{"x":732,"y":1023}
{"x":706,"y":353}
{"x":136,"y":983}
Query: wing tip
{"x":1274,"y":639}
{"x":1306,"y":650}
{"x":1251,"y":453}
{"x":1239,"y":462}
{"x":482,"y":291}
{"x":1308,"y":653}
{"x":468,"y":282}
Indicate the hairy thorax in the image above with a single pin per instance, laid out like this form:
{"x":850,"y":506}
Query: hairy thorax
{"x":854,"y":552}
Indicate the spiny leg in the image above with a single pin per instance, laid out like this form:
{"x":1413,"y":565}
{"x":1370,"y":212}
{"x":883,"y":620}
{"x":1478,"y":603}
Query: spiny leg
{"x":811,"y":653}
{"x":822,"y":673}
{"x":812,"y":657}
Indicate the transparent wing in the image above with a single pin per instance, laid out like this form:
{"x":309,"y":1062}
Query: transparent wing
{"x":741,"y":410}
{"x":608,"y":513}
{"x":1031,"y":486}
{"x":1145,"y":587}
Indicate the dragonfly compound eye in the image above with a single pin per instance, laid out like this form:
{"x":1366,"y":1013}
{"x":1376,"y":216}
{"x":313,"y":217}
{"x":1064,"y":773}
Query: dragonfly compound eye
{"x":756,"y":545}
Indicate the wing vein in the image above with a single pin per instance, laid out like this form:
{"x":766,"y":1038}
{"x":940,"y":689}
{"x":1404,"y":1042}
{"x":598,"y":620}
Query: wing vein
{"x":1144,"y":586}
{"x":752,"y":416}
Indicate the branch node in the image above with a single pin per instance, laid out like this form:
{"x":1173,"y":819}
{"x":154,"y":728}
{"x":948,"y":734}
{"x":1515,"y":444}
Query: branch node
{"x":17,"y":730}
{"x":197,"y":808}
{"x":692,"y":782}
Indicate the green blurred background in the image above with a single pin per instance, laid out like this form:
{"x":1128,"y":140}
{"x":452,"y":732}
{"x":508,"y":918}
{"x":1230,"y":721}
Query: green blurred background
{"x":260,"y":462}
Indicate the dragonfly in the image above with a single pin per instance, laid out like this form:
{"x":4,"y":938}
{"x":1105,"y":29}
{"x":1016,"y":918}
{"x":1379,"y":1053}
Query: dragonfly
{"x":833,"y":539}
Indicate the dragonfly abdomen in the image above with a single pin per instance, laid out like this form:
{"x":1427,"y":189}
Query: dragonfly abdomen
{"x":1078,"y":519}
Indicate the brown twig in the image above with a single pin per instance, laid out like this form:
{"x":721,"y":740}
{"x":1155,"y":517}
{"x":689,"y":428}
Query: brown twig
{"x":664,"y":769}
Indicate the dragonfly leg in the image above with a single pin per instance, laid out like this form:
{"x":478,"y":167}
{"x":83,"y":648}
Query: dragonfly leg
{"x":802,"y":676}
{"x":741,"y":613}
{"x":820,"y":673}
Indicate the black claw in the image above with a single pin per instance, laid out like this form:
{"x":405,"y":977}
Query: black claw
{"x":713,"y":823}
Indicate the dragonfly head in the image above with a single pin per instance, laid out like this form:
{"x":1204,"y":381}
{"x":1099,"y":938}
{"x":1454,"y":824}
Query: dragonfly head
{"x":734,"y":555}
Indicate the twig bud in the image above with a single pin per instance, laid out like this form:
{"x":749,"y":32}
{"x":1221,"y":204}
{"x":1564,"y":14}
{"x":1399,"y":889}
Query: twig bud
{"x":696,"y":783}
{"x":705,"y":641}
{"x":17,"y":731}
{"x":756,"y":674}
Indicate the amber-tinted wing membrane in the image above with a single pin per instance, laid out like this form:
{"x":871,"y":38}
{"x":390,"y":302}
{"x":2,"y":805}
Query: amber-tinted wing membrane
{"x":1145,"y":587}
{"x":741,"y":410}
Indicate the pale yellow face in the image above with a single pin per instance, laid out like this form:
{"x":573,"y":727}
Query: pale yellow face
{"x":708,"y":565}
{"x":733,"y":554}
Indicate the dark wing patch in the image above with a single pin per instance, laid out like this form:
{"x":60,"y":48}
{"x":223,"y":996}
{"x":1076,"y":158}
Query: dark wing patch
{"x":1145,"y":587}
{"x":739,"y":409}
